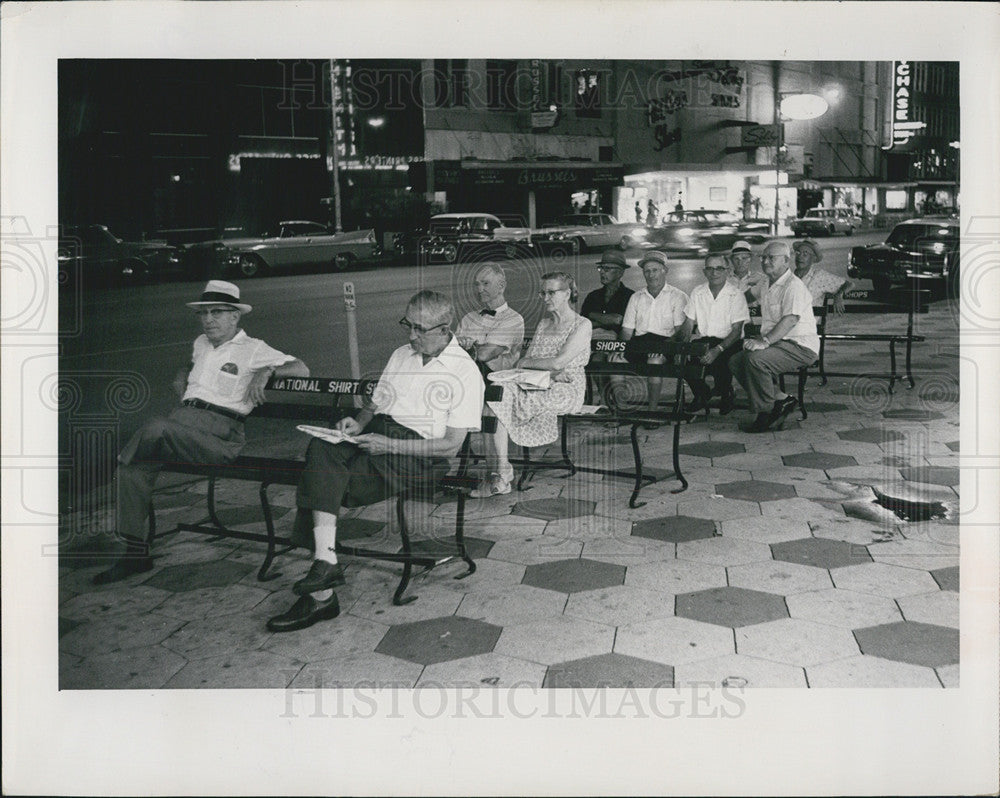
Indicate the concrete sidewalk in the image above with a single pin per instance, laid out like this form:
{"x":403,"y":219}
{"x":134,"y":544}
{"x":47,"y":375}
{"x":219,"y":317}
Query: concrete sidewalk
{"x":776,"y":568}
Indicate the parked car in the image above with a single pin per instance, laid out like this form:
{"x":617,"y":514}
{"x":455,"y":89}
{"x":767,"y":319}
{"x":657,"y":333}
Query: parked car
{"x":215,"y":257}
{"x":299,"y":245}
{"x":591,"y":231}
{"x":925,"y":249}
{"x":459,"y":236}
{"x":98,"y":256}
{"x":825,"y":222}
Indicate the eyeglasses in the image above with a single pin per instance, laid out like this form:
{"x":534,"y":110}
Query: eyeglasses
{"x":546,"y":294}
{"x":773,"y":258}
{"x":419,"y":329}
{"x":213,"y":312}
{"x":606,"y":268}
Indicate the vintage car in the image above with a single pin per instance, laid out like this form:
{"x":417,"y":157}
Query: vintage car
{"x":299,"y":245}
{"x":591,"y":231}
{"x":825,"y":222}
{"x":925,"y":250}
{"x":452,"y":237}
{"x":695,"y":233}
{"x":215,"y":257}
{"x":95,"y":256}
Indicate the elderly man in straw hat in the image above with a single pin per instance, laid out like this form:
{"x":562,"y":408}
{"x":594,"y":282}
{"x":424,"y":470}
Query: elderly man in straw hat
{"x":223,"y":383}
{"x":821,"y":283}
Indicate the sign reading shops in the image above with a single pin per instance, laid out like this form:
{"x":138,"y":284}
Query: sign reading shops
{"x":452,"y":175}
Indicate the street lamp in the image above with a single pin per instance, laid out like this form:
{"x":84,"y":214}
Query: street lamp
{"x":794,"y":106}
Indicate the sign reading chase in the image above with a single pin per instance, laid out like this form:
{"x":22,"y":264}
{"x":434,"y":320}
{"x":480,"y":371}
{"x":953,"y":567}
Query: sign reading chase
{"x":902,"y":128}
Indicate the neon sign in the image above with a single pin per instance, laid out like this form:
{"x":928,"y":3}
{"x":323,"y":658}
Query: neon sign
{"x":901,"y":127}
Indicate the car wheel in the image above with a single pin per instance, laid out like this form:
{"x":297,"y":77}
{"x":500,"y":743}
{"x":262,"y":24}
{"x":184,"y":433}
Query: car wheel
{"x":251,"y":266}
{"x":343,"y":261}
{"x":135,"y":271}
{"x":953,"y":284}
{"x":581,"y":245}
{"x":881,"y":286}
{"x":450,"y":253}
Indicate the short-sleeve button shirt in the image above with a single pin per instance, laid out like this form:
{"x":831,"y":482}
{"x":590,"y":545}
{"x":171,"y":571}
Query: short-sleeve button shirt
{"x":447,"y":391}
{"x":662,"y":314}
{"x":716,"y":315}
{"x":505,"y":329}
{"x":785,"y":297}
{"x":820,"y":283}
{"x":597,"y":302}
{"x":221,"y":374}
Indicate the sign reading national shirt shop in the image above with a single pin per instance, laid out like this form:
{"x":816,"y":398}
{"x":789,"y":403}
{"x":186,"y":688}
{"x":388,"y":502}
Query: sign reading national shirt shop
{"x":902,"y":127}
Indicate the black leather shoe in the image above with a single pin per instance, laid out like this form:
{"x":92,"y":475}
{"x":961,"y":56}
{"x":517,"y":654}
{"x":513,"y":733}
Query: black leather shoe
{"x":760,"y":424}
{"x":128,"y":565}
{"x":304,"y":613}
{"x":726,"y":403}
{"x":322,"y":576}
{"x":781,"y":410}
{"x":699,"y":403}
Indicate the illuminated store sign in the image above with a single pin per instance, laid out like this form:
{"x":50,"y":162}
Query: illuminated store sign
{"x":902,"y":127}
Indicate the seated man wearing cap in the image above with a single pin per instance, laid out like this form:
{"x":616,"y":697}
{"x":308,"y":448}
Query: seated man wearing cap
{"x":788,"y":340}
{"x":223,"y":383}
{"x":719,"y":311}
{"x":494,"y":334}
{"x":428,"y":398}
{"x":750,"y":284}
{"x":821,"y":283}
{"x":654,"y":316}
{"x":605,"y":306}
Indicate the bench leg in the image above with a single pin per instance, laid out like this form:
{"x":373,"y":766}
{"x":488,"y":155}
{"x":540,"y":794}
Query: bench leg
{"x":404,"y":534}
{"x":564,"y":445}
{"x":526,"y":469}
{"x":822,"y":367}
{"x":637,"y":456}
{"x":265,"y":508}
{"x":892,"y":363}
{"x":460,"y":537}
{"x":210,"y":501}
{"x":677,"y":460}
{"x":909,"y":373}
{"x":802,"y":393}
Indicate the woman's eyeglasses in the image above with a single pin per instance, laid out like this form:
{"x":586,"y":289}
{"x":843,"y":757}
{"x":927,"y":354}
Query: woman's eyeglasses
{"x":418,"y":328}
{"x":547,"y":294}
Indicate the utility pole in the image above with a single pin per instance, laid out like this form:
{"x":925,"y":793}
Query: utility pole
{"x":776,"y":73}
{"x":335,"y":145}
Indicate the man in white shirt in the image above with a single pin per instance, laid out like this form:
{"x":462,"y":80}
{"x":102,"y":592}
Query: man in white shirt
{"x":654,"y":316}
{"x":223,"y":383}
{"x":718,"y":310}
{"x":430,"y":395}
{"x":788,"y":340}
{"x":821,"y":283}
{"x":494,"y":334}
{"x":751,"y":284}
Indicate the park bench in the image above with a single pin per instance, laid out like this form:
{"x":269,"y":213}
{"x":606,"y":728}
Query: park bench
{"x":680,"y":363}
{"x":316,"y":400}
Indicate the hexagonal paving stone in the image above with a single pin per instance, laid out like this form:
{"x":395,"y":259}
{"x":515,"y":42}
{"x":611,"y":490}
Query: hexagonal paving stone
{"x":779,"y":578}
{"x":795,"y":642}
{"x":148,"y":668}
{"x":775,"y":530}
{"x":947,"y":578}
{"x":552,"y":509}
{"x":818,"y":460}
{"x":133,"y":600}
{"x":477,"y":548}
{"x":571,"y":576}
{"x":755,"y":490}
{"x":939,"y":608}
{"x":238,"y":670}
{"x":731,"y":606}
{"x":871,"y":435}
{"x":821,"y":552}
{"x":949,"y":675}
{"x":222,"y":635}
{"x":843,"y":608}
{"x":675,"y":576}
{"x":620,"y":605}
{"x":674,"y":528}
{"x":879,"y":579}
{"x":739,"y":670}
{"x":555,"y":639}
{"x":193,"y":576}
{"x":863,"y":671}
{"x":365,"y":671}
{"x":510,"y":605}
{"x":712,"y":448}
{"x":439,"y":639}
{"x":609,"y":670}
{"x":916,"y":643}
{"x":723,"y":551}
{"x":674,"y":641}
{"x":483,"y":670}
{"x":912,"y":414}
{"x":825,"y":407}
{"x":120,"y":632}
{"x":934,"y":475}
{"x":953,"y":445}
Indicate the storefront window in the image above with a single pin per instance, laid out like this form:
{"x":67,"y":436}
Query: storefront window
{"x":895,"y":200}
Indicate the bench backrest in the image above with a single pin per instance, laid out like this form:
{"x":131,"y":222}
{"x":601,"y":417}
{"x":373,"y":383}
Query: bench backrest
{"x":681,"y":362}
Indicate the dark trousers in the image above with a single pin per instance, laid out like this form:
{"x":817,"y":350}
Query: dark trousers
{"x":722,"y":377}
{"x":639,"y":346}
{"x":343,"y":475}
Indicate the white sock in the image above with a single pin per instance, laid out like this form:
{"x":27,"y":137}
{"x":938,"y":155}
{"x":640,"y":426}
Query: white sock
{"x":326,"y":542}
{"x":322,"y":595}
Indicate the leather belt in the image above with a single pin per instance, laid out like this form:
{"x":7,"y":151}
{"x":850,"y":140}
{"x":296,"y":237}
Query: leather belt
{"x":222,"y":411}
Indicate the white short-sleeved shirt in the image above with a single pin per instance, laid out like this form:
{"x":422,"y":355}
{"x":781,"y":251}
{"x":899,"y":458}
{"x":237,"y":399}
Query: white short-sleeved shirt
{"x":716,"y":315}
{"x":446,"y":392}
{"x":751,"y":281}
{"x":662,"y":314}
{"x":505,"y":329}
{"x":785,"y":297}
{"x":221,"y":374}
{"x":820,"y":283}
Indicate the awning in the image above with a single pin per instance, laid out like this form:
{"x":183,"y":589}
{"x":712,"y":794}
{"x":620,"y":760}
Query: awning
{"x":816,"y":185}
{"x":527,"y":174}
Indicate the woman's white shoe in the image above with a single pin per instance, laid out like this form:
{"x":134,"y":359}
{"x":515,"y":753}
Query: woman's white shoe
{"x":496,"y":485}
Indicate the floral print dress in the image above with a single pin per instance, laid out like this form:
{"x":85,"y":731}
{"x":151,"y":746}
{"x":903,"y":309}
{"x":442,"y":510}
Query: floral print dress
{"x":531,"y":417}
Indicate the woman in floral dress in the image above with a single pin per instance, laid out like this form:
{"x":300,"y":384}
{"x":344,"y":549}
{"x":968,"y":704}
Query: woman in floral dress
{"x":561,"y":346}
